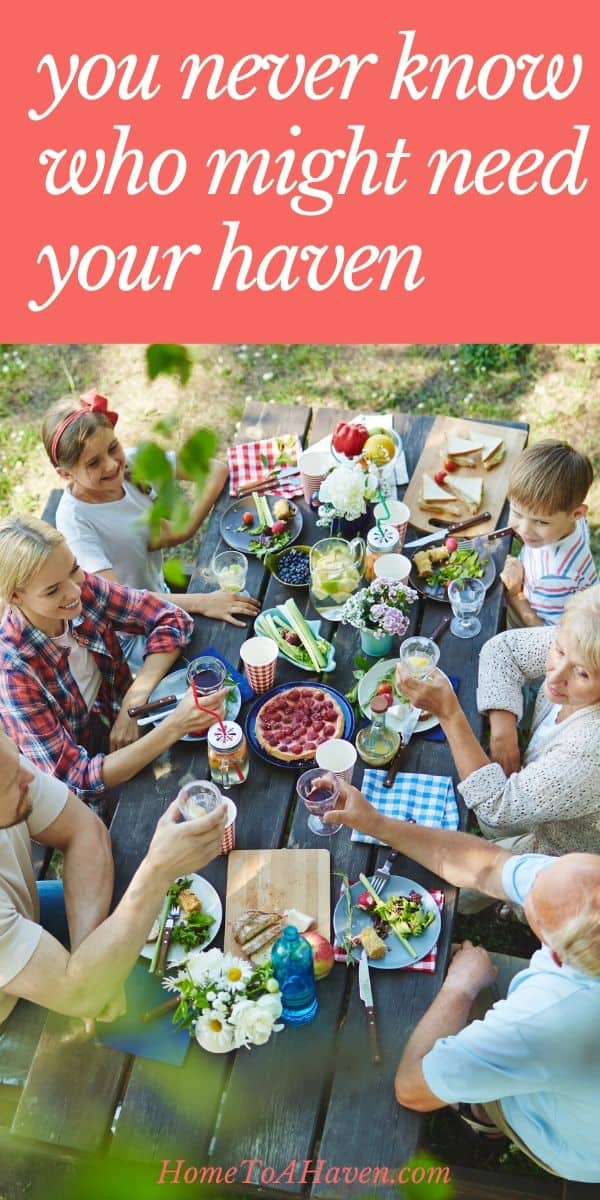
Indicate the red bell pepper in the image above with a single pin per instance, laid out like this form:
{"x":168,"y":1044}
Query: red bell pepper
{"x":349,"y":439}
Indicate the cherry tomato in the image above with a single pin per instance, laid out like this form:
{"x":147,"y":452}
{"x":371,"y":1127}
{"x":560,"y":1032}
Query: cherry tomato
{"x":450,"y":465}
{"x":384,"y":689}
{"x":451,"y":544}
{"x":440,"y":477}
{"x":247,"y":518}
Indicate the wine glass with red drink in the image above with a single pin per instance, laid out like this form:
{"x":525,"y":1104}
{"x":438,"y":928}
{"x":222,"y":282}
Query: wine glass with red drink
{"x":319,"y":790}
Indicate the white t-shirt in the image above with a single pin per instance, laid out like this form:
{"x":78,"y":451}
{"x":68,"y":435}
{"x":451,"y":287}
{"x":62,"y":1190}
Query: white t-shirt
{"x":114,"y":536}
{"x":82,"y":665}
{"x":20,"y":930}
{"x":543,"y":731}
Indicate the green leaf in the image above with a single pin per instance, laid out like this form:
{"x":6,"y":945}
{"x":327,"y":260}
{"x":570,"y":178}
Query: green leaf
{"x":427,"y":1179}
{"x":174,"y":574}
{"x":168,"y":359}
{"x":151,"y":465}
{"x":196,"y":454}
{"x":167,"y":425}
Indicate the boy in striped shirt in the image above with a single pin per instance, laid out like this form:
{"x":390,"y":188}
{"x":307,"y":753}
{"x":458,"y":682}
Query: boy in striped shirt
{"x":547,"y":490}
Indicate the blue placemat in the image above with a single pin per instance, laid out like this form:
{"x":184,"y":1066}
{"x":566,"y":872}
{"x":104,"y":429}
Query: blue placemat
{"x":427,"y":799}
{"x":437,"y":733}
{"x":160,"y":1039}
{"x":246,"y":691}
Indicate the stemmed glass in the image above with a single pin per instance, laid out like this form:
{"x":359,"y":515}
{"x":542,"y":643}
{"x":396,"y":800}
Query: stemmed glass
{"x":466,"y":598}
{"x":319,"y":790}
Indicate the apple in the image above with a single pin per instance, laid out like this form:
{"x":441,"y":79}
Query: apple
{"x":322,"y":952}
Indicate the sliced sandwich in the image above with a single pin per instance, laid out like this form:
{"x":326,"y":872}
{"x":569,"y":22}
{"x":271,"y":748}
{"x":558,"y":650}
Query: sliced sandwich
{"x":493,"y":452}
{"x":469,"y":489}
{"x":462,"y":450}
{"x":255,"y":929}
{"x":436,"y":499}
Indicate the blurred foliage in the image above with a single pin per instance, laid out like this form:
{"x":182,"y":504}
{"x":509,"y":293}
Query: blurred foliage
{"x":168,"y":359}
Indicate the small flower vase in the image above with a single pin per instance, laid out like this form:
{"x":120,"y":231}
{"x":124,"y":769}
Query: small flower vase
{"x":341,"y":527}
{"x":375,"y":647}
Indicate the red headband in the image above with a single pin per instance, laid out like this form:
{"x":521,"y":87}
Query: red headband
{"x":90,"y":402}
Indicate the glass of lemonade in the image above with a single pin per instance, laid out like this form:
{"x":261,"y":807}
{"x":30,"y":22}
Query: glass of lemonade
{"x":230,"y":569}
{"x":336,"y":568}
{"x":419,"y":655}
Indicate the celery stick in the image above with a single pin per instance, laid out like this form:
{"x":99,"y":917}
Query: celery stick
{"x":381,"y":907}
{"x":293,"y":615}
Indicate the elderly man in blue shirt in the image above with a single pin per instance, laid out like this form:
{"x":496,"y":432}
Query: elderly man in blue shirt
{"x":531,"y":1066}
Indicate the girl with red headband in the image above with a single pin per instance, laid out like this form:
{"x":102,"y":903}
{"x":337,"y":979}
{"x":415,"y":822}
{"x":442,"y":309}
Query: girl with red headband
{"x":101,"y":512}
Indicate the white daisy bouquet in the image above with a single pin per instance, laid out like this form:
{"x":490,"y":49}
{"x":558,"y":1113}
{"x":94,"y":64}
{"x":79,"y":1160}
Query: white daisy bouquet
{"x":225,"y":1001}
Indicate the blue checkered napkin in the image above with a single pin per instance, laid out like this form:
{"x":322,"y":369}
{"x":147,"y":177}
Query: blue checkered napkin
{"x":426,"y":799}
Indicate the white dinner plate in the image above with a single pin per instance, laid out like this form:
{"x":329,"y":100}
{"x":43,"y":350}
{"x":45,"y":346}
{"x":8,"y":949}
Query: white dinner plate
{"x":211,"y":904}
{"x":367,"y":687}
{"x":397,"y":955}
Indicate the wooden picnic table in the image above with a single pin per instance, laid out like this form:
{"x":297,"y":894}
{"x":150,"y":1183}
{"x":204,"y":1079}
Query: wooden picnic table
{"x":310,"y":1095}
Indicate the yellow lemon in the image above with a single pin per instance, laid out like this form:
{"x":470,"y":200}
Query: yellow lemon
{"x":379,"y":449}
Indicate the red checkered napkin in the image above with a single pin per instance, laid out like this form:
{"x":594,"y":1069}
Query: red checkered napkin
{"x":252,"y":460}
{"x":424,"y":964}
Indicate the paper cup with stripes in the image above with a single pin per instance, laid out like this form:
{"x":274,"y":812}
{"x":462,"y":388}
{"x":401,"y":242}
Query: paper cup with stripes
{"x":314,"y":466}
{"x":228,"y":840}
{"x":399,"y":516}
{"x":259,"y":656}
{"x":338,"y":756}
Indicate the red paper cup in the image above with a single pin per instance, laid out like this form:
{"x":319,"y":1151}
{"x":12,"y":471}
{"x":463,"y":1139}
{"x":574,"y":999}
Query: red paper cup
{"x":259,"y":656}
{"x":228,"y":841}
{"x":399,"y":516}
{"x":314,"y":466}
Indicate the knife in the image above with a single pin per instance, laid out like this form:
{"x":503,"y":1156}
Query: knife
{"x":366,"y":995}
{"x":151,"y":706}
{"x":445,"y":530}
{"x":406,"y":732}
{"x":166,"y":938}
{"x":271,"y":477}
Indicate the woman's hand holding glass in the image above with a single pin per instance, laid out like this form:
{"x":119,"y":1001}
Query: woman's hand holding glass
{"x":189,"y":719}
{"x":434,"y":694}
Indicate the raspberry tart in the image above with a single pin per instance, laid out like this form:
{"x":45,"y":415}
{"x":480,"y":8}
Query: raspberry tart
{"x":293,"y":723}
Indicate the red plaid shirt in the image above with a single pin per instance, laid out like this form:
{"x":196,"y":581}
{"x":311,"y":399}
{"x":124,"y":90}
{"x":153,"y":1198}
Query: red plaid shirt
{"x":41,"y":707}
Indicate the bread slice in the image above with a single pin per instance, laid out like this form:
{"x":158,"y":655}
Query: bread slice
{"x":373,"y":944}
{"x":262,"y":940}
{"x":463,"y":450}
{"x":435,"y":499}
{"x":252,"y":923}
{"x":189,"y":902}
{"x":469,"y":489}
{"x":493,"y":452}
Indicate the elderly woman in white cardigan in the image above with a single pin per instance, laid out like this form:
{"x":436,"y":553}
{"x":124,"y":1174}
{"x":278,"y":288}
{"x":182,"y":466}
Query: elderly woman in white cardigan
{"x":550,"y":802}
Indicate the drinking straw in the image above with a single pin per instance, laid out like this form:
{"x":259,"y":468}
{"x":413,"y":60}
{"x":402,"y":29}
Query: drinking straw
{"x":218,"y":719}
{"x":386,"y":511}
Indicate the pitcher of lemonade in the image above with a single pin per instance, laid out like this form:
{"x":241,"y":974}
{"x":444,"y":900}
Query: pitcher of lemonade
{"x":336,"y":568}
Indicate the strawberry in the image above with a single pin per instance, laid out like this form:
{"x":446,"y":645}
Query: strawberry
{"x":450,"y":465}
{"x":247,"y":518}
{"x":440,"y":477}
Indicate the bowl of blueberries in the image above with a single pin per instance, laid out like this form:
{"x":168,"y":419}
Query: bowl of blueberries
{"x":291,"y":566}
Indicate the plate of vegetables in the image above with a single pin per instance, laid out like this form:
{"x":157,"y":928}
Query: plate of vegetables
{"x":434,"y":568}
{"x":198,"y":924}
{"x":259,"y":524}
{"x":380,"y":680}
{"x":405,"y":917}
{"x":297,"y":639}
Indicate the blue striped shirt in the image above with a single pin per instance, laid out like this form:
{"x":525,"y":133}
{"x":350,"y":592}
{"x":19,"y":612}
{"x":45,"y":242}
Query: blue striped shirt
{"x":555,"y":572}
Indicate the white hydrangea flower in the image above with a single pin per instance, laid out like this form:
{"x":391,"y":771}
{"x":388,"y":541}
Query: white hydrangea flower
{"x":252,"y":1022}
{"x":204,"y":966}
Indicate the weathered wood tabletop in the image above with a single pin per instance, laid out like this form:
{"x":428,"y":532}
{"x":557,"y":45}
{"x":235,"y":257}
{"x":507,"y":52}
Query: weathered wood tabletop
{"x":311,"y":1095}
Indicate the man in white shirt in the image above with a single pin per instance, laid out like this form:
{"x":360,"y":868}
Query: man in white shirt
{"x":87,"y":980}
{"x":533,"y":1062}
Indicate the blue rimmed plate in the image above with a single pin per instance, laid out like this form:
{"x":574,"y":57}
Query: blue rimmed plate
{"x":397,"y":955}
{"x":314,"y":625}
{"x":298,"y":763}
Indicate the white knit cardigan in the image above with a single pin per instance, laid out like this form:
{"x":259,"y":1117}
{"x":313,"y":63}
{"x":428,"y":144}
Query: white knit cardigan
{"x":556,"y":794}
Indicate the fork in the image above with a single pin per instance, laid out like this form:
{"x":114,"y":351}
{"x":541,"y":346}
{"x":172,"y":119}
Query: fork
{"x":166,"y":937}
{"x":382,"y":874}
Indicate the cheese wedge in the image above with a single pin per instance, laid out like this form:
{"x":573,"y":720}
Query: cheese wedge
{"x":493,"y":452}
{"x":462,"y":450}
{"x":435,"y":499}
{"x":469,"y":489}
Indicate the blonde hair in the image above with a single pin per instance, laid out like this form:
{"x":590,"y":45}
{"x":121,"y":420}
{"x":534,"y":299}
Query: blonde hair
{"x":550,"y":477}
{"x":72,"y":440}
{"x":25,"y":544}
{"x":577,"y":941}
{"x":582,"y":619}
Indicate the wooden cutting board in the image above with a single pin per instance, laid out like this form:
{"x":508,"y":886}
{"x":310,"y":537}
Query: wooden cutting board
{"x":272,"y":880}
{"x":495,"y":481}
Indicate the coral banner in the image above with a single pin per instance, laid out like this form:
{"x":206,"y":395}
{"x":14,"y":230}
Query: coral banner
{"x":410,"y":172}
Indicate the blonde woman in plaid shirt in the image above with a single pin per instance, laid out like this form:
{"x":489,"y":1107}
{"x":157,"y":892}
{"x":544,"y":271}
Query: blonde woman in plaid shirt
{"x":65,"y":686}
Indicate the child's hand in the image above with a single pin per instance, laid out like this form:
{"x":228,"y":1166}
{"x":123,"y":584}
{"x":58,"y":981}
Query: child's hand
{"x":513,"y":576}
